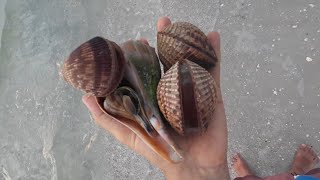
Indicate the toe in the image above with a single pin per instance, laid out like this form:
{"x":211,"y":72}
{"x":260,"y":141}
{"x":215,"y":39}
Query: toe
{"x":314,"y":157}
{"x":309,"y":147}
{"x":313,"y":153}
{"x":303,"y":147}
{"x":309,"y":150}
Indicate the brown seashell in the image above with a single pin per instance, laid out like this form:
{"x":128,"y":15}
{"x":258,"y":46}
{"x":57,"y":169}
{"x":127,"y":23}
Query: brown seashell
{"x":159,"y":144}
{"x":182,"y":40}
{"x":146,"y":62}
{"x":95,"y":67}
{"x":187,"y":97}
{"x":134,"y":102}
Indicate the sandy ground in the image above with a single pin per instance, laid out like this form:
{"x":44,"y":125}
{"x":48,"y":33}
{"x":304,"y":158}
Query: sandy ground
{"x":270,"y":81}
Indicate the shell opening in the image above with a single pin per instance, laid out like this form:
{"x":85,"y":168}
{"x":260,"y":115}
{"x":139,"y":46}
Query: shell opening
{"x":125,"y":103}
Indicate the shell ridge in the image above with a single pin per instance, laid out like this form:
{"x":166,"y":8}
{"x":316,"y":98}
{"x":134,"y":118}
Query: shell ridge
{"x":188,"y":43}
{"x":93,"y":67}
{"x":205,"y":93}
{"x":169,"y":99}
{"x":110,"y":49}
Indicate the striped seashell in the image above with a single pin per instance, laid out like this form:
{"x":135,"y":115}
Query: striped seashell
{"x":187,"y":97}
{"x":182,"y":40}
{"x":95,"y":67}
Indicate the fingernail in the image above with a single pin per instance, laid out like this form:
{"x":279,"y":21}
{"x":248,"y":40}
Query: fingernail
{"x":157,"y":123}
{"x":303,"y":145}
{"x":154,"y":122}
{"x":175,"y":157}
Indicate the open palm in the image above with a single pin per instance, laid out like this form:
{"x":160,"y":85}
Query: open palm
{"x":204,"y":155}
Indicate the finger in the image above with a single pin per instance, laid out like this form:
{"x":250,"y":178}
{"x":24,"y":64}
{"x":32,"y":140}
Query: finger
{"x":303,"y":147}
{"x":214,"y":39}
{"x":217,"y":129}
{"x":118,"y":130}
{"x":218,"y":125}
{"x":162,"y":23}
{"x":107,"y":122}
{"x":144,"y":41}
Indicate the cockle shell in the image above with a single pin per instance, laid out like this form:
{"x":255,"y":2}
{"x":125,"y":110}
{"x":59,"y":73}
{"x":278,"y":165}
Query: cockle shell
{"x":182,"y":40}
{"x":95,"y":67}
{"x":187,"y":97}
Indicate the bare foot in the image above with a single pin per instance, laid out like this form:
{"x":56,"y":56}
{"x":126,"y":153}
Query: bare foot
{"x":304,"y":160}
{"x":240,"y":166}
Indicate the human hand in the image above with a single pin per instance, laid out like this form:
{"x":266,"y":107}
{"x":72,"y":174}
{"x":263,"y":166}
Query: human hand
{"x":205,"y":156}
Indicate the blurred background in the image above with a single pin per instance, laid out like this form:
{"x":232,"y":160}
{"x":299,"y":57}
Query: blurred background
{"x":270,"y":82}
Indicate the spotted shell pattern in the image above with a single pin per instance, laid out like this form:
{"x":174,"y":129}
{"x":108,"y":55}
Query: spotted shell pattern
{"x":187,"y":97}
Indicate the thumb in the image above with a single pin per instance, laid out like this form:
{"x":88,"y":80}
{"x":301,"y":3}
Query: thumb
{"x":119,"y":131}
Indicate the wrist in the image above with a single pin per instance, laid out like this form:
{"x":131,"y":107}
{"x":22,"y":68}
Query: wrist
{"x":220,"y":172}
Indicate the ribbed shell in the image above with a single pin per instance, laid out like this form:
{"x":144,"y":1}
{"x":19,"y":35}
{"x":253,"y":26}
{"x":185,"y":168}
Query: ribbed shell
{"x":95,"y":67}
{"x":187,"y":97}
{"x":182,"y":40}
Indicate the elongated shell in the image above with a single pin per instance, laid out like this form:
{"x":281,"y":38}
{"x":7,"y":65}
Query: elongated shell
{"x":95,"y":67}
{"x":142,"y":74}
{"x":187,"y":97}
{"x":134,"y":102}
{"x":146,"y":62}
{"x":182,"y":40}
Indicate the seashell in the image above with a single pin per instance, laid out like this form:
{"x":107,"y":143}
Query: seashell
{"x":182,"y":40}
{"x":146,"y":62}
{"x":125,"y":102}
{"x":134,"y":102}
{"x":187,"y":97}
{"x":161,"y":144}
{"x":95,"y":67}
